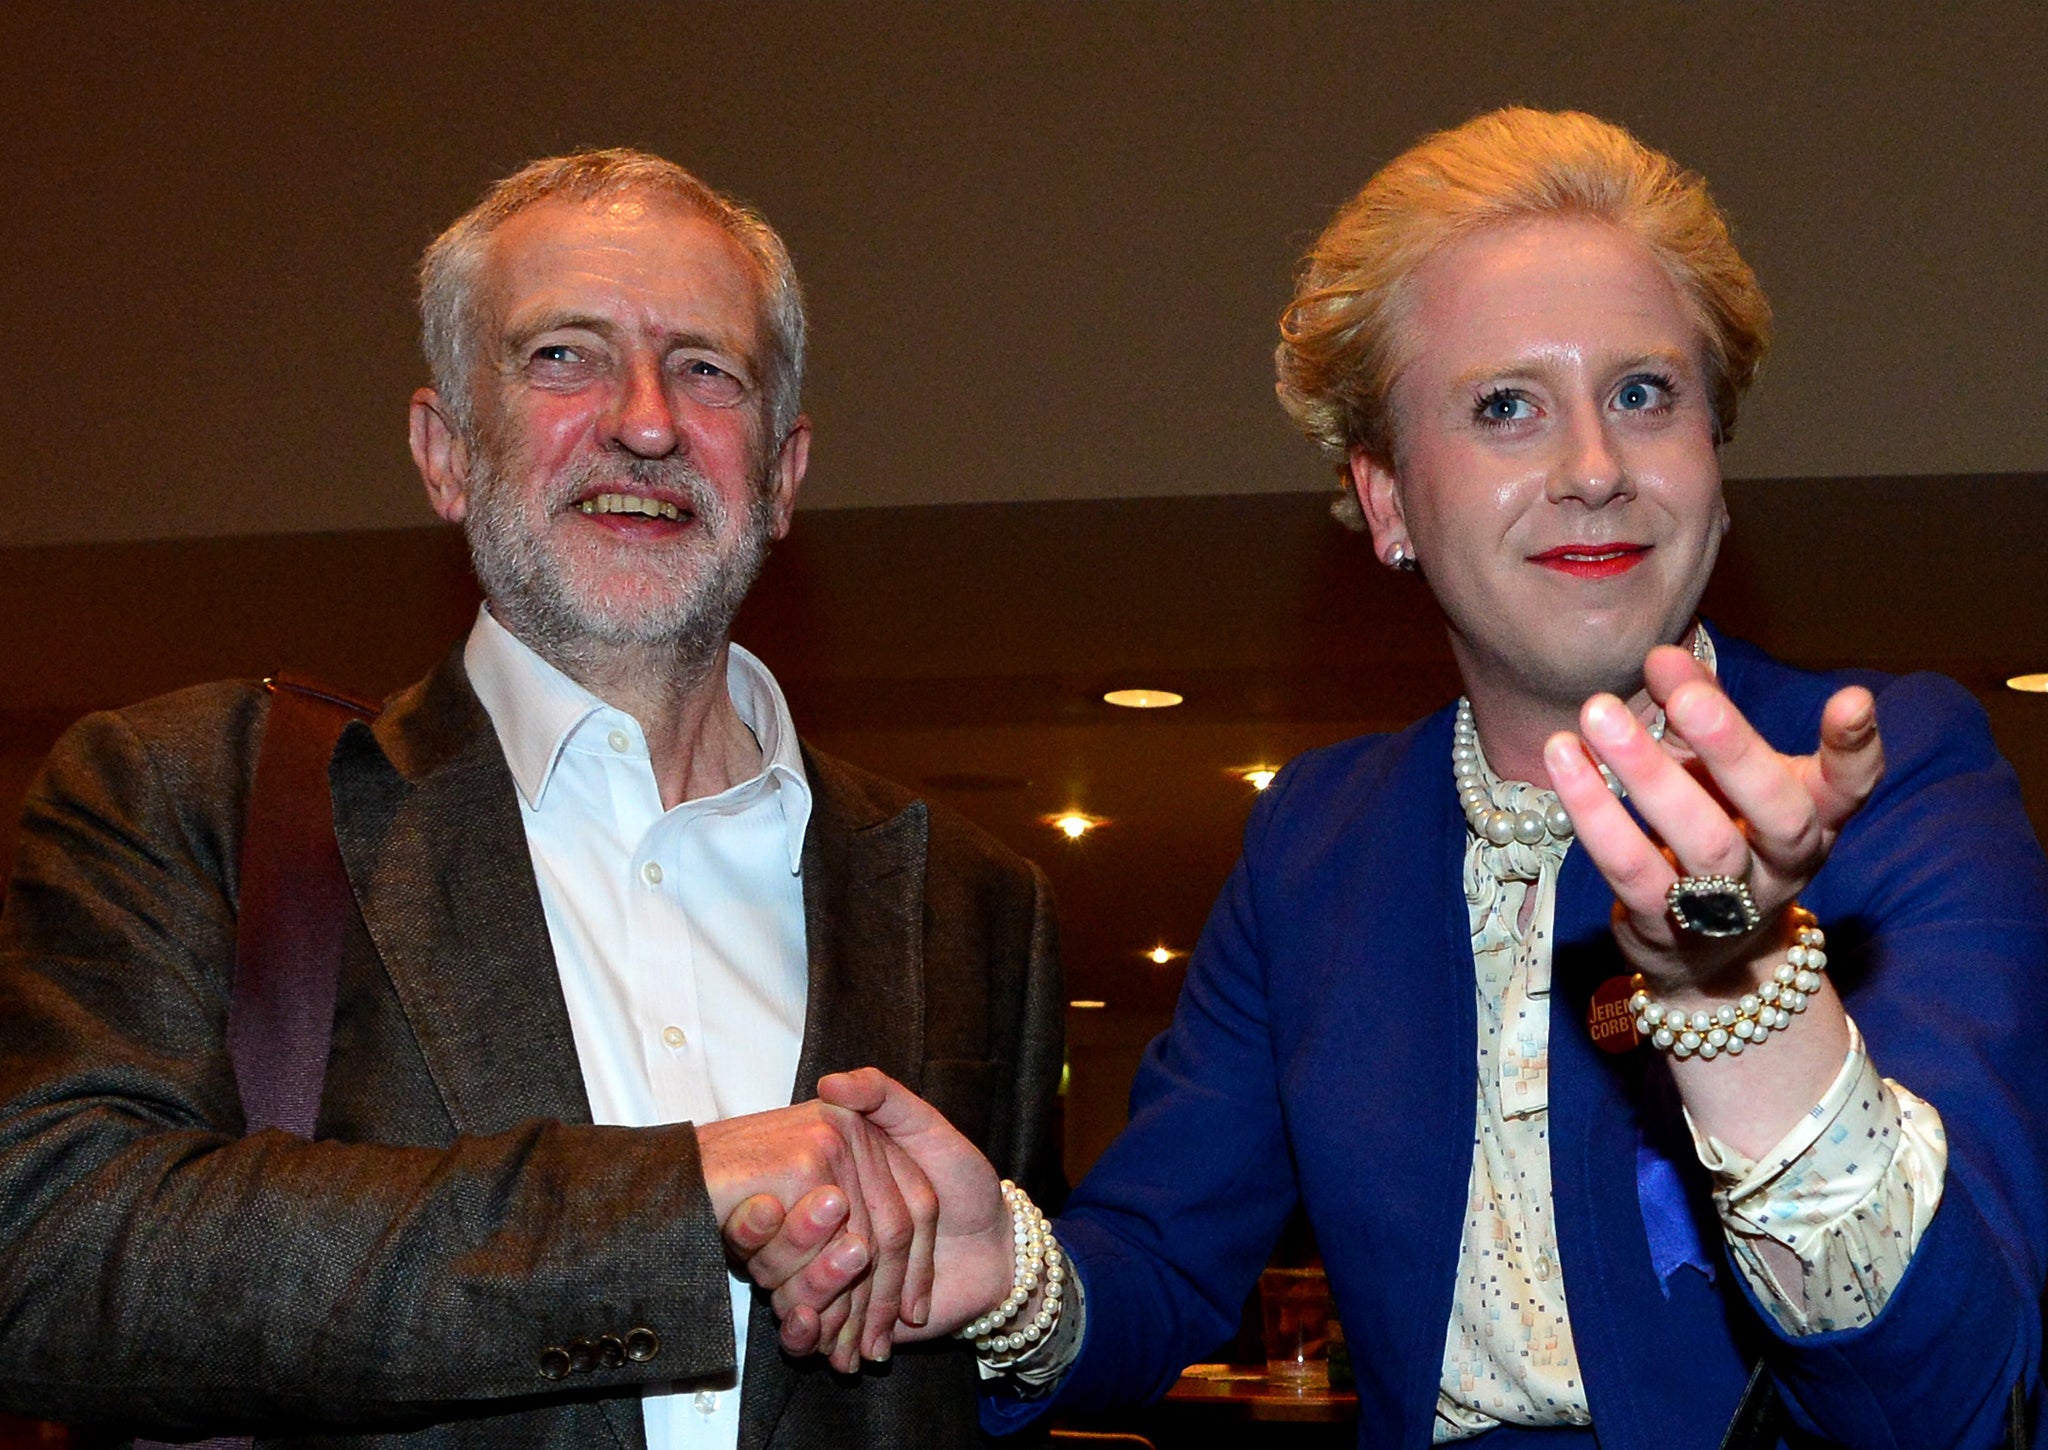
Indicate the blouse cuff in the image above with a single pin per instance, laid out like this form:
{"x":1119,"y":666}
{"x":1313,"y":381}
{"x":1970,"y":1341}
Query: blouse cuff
{"x":1038,"y":1370}
{"x":1838,"y":1204}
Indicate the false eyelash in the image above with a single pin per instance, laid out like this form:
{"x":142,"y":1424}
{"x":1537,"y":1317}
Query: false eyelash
{"x":1483,"y":401}
{"x":1663,"y":382}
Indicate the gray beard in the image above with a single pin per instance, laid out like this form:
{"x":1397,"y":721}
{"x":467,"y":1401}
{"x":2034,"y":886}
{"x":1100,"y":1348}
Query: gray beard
{"x":583,"y":636}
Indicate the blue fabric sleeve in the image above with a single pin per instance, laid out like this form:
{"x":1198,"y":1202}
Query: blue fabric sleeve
{"x":1936,"y":902}
{"x":1171,"y":1228}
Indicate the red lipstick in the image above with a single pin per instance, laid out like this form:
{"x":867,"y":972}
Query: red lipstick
{"x":1592,"y":561}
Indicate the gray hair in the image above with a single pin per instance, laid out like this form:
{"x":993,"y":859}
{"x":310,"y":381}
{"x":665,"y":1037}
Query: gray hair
{"x":449,"y":321}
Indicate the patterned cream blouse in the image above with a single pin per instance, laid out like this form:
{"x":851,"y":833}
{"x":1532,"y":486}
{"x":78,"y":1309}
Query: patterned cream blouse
{"x":1849,"y":1190}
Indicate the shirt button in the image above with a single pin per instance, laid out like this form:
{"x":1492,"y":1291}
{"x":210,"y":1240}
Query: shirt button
{"x":673,"y":1036}
{"x":651,"y":873}
{"x":1543,"y":1268}
{"x":618,"y":740}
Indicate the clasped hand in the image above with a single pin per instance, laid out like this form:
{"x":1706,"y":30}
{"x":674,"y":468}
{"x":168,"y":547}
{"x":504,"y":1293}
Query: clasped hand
{"x":870,"y":1219}
{"x":1737,"y":809}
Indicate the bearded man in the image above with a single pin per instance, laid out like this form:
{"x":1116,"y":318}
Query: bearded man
{"x":607,"y":920}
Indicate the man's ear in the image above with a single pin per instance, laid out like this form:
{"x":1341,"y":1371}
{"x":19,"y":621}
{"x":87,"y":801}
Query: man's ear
{"x":441,"y":455}
{"x":786,"y":474}
{"x":1379,"y":498}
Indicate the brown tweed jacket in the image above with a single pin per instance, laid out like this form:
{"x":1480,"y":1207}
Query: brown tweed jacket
{"x":396,"y":1281}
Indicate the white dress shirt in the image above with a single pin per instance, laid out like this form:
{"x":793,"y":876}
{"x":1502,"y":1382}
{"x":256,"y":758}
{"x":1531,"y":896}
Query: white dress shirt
{"x":679,"y":934}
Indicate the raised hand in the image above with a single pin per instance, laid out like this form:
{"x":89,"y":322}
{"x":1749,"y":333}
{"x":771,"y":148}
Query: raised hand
{"x":827,"y":1163}
{"x":1735,"y":808}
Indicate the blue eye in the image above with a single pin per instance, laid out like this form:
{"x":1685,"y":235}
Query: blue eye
{"x":1503,"y":406}
{"x":1641,"y":394}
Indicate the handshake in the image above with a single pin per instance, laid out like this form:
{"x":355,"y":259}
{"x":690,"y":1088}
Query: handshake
{"x":870,"y":1219}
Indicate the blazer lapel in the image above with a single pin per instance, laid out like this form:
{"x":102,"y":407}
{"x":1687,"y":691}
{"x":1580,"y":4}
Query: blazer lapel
{"x":864,"y":878}
{"x":428,"y":822}
{"x":1403,"y":934}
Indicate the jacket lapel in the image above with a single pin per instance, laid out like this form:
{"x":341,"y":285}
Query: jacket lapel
{"x":1404,"y":936}
{"x":428,"y":822}
{"x":864,"y":879}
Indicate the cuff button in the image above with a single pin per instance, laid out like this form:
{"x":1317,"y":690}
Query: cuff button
{"x":582,"y":1355}
{"x":611,"y":1351}
{"x":554,"y":1362}
{"x":642,"y":1344}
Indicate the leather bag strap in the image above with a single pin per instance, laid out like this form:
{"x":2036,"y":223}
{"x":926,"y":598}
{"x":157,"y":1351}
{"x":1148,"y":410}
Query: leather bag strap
{"x":294,"y":910}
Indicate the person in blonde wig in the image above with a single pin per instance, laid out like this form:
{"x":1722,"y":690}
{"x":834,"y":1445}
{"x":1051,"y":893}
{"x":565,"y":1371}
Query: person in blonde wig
{"x":1652,"y":1035}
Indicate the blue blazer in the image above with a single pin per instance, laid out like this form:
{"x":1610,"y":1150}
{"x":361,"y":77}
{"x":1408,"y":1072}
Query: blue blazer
{"x":1323,"y":1052}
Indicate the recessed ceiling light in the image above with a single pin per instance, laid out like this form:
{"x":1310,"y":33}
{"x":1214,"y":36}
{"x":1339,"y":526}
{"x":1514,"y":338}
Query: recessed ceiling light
{"x":1258,"y":777}
{"x":1073,"y":824}
{"x":1142,"y":699}
{"x":2032,"y":684}
{"x":1087,"y":1004}
{"x":1161,"y":955}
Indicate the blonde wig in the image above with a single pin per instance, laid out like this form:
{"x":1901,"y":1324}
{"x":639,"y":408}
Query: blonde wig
{"x":1345,"y":336}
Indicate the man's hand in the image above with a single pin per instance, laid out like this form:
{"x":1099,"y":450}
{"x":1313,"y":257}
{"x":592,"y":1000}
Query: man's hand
{"x":800,"y":1257}
{"x":828,"y":1163}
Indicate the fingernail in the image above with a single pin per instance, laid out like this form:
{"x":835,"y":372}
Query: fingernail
{"x":1606,"y":717}
{"x":878,"y":1349}
{"x":1708,"y":713}
{"x":1859,"y":725}
{"x":1562,"y":754}
{"x":920,"y":1313}
{"x":850,"y":1257}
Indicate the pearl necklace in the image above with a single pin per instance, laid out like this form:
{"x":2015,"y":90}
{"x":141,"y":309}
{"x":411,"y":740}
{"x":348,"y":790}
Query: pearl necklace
{"x":1533,"y":825}
{"x":1530,"y":826}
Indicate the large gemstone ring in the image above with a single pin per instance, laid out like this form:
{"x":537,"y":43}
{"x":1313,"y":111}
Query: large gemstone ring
{"x":1713,"y":906}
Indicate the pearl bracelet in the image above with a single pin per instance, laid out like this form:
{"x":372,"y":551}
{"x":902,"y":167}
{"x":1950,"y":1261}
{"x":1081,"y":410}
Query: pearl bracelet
{"x":1733,"y":1026}
{"x":1038,"y":1259}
